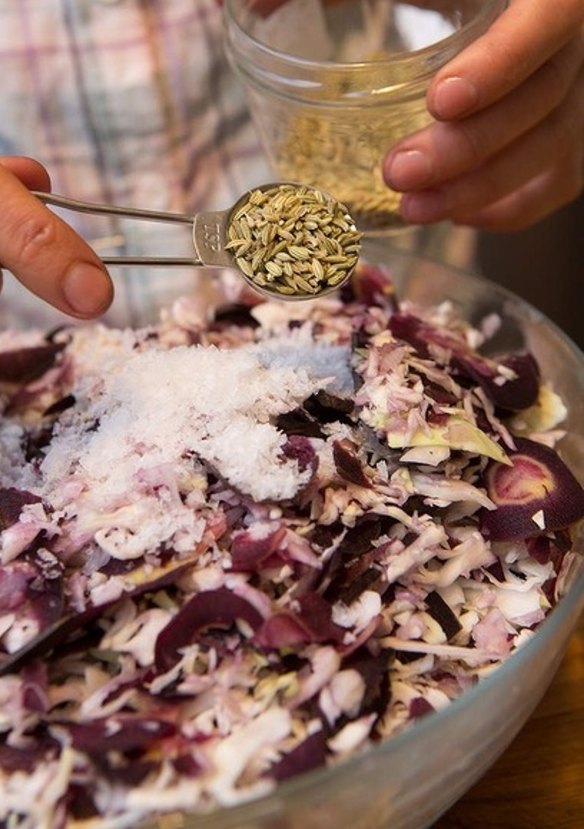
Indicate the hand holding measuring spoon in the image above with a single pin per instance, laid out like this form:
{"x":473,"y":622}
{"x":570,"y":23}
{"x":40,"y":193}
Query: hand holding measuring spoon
{"x":288,"y":241}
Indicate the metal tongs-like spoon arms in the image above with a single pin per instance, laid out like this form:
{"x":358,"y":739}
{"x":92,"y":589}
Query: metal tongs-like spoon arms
{"x":286,"y":240}
{"x":208,"y":231}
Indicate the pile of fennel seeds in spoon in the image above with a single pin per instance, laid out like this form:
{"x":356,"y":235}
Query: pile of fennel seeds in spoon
{"x":294,"y":241}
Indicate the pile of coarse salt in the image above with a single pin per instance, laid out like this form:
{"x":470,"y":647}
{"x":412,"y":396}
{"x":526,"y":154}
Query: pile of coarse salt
{"x":150,"y":420}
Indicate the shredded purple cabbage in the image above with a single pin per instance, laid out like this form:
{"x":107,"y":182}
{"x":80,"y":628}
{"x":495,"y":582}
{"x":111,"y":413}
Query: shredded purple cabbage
{"x":183,"y":644}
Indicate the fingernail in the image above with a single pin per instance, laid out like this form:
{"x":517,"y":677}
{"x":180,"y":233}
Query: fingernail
{"x":453,"y":97}
{"x":87,"y":289}
{"x":420,"y":208}
{"x":408,"y":169}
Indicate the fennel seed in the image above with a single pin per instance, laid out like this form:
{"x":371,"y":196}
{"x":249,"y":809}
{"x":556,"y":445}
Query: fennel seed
{"x":293,"y":240}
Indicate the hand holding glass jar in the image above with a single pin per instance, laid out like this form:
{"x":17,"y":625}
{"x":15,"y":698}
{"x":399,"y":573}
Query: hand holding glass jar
{"x":509,"y":146}
{"x":482,"y":103}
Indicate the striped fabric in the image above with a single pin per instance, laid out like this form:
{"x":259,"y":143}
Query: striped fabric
{"x":129,"y":102}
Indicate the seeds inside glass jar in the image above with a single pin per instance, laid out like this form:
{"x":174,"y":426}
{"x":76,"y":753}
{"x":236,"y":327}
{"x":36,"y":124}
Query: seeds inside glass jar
{"x":293,"y":240}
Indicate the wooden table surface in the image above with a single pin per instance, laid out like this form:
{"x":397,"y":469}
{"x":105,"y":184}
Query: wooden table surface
{"x":538,"y":783}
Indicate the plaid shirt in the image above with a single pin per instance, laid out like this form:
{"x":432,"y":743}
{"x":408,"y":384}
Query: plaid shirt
{"x":128,"y":102}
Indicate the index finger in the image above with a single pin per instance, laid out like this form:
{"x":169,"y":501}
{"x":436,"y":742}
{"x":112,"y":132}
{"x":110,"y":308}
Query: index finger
{"x":526,"y":35}
{"x":47,"y":256}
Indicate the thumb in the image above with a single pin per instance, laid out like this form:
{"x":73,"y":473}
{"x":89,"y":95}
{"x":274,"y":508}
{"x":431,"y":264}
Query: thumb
{"x":30,"y":172}
{"x":42,"y":251}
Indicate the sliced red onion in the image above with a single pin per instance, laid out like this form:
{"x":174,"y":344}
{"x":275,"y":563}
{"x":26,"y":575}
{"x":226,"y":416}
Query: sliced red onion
{"x":249,"y":553}
{"x":60,"y":405}
{"x":329,"y":408}
{"x":120,"y":733}
{"x":209,"y":609}
{"x":374,"y":668}
{"x":308,"y":755}
{"x":35,"y":687}
{"x":443,"y":614}
{"x":39,"y":747}
{"x":14,"y":580}
{"x":236,"y":314}
{"x":348,"y":464}
{"x":312,"y":623}
{"x":513,"y":394}
{"x":12,"y":501}
{"x":25,"y":364}
{"x":371,"y":285}
{"x":507,"y":393}
{"x":537,"y":494}
{"x":186,"y":765}
{"x":299,"y":422}
{"x":420,"y":706}
{"x":300,"y":449}
{"x":56,"y":629}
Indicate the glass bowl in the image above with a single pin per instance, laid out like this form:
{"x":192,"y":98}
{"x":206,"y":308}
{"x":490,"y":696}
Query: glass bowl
{"x":411,"y":779}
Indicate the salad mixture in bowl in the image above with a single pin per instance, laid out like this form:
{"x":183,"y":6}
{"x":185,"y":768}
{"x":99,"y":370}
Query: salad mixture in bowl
{"x":261,"y":539}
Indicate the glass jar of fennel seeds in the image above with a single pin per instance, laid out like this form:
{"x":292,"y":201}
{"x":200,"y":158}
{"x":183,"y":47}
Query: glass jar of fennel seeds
{"x":333,"y":84}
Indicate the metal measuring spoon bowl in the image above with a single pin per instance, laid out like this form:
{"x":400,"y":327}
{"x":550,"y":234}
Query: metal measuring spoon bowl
{"x":293,"y":241}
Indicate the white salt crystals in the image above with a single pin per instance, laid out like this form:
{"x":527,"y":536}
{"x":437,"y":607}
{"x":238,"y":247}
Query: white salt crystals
{"x":160,"y":410}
